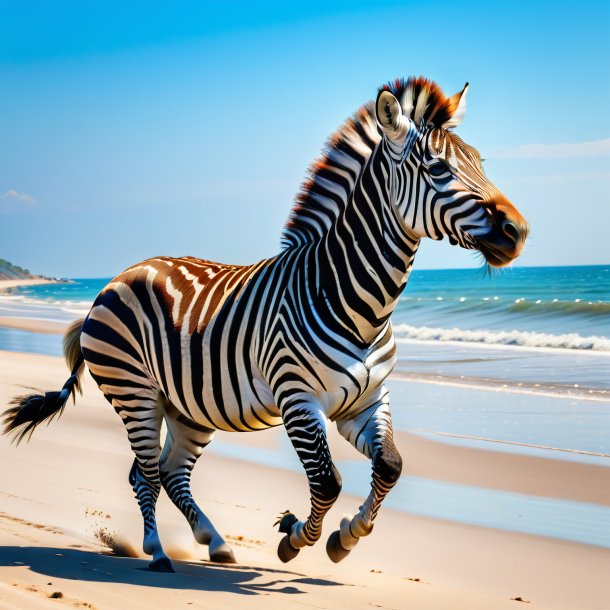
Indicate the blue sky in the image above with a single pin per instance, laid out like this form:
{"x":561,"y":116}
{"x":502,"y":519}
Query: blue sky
{"x":131,"y":129}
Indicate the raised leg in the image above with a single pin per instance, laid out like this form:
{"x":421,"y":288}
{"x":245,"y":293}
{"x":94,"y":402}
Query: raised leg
{"x":184,"y":444}
{"x":142,"y":418}
{"x":306,"y":427}
{"x":371,"y":433}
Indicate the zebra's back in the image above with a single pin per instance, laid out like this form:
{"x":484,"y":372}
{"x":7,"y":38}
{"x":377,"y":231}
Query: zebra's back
{"x":186,"y":327}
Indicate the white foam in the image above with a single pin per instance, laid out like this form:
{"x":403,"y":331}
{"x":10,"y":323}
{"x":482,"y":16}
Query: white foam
{"x":28,"y":307}
{"x":500,"y":337}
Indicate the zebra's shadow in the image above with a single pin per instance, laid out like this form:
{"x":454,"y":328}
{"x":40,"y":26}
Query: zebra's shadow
{"x":96,"y":567}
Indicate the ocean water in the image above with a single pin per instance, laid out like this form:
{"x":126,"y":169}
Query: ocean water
{"x":57,"y":302}
{"x":565,"y":307}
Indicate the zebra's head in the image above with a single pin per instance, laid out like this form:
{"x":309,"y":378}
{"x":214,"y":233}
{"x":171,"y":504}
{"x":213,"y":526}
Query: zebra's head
{"x":438,"y":180}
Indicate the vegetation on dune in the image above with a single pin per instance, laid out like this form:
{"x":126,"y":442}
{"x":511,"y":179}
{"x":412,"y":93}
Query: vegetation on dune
{"x":8,"y":271}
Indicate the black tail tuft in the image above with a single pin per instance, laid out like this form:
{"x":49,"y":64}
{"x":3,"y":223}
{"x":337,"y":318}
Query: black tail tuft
{"x":26,"y":412}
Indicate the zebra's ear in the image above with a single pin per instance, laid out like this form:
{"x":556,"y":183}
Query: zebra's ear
{"x":458,"y":101}
{"x":390,"y":117}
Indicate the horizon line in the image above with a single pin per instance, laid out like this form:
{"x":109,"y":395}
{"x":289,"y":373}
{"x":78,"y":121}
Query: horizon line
{"x":476,"y":269}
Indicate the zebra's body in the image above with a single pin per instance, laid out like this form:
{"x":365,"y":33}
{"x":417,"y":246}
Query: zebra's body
{"x":220,"y":328}
{"x":299,"y":338}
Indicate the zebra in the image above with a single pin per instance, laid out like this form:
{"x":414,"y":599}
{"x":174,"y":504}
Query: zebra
{"x":301,"y":339}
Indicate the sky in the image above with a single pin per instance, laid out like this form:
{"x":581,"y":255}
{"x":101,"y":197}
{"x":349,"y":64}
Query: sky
{"x":134,"y":129}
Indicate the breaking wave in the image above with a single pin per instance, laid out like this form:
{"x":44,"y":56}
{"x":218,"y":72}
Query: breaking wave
{"x":25,"y":306}
{"x":501,"y":337}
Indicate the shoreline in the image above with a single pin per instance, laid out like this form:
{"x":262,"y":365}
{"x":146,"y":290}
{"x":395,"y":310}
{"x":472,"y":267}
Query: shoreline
{"x":16,"y":283}
{"x":31,"y":323}
{"x":501,"y":385}
{"x":424,"y":455}
{"x":495,"y":346}
{"x":543,"y":389}
{"x":71,"y":480}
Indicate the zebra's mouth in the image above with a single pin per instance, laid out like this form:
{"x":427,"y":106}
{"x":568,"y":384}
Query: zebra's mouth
{"x":495,"y":256}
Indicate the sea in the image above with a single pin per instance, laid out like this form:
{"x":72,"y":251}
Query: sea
{"x":514,"y":361}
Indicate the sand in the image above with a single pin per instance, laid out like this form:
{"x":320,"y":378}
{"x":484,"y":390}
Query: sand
{"x":34,"y":325}
{"x":4,"y":284}
{"x":70,"y":482}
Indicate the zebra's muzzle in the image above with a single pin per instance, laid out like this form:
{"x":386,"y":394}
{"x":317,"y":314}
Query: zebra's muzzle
{"x":504,"y":243}
{"x":505,"y":240}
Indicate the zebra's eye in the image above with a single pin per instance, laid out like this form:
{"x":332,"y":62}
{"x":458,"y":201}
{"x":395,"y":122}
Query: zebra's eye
{"x":438,"y":169}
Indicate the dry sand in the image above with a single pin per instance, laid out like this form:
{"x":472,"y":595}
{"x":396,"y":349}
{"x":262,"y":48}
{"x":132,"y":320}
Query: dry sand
{"x":34,"y":325}
{"x":70,"y":482}
{"x":4,"y":284}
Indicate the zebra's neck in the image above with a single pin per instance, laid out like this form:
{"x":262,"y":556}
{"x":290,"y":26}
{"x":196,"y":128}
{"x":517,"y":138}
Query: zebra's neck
{"x":332,"y":179}
{"x":361,"y":255}
{"x":363,"y":262}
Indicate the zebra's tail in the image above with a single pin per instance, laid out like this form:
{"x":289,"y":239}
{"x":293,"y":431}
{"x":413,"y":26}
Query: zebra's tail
{"x":26,"y":412}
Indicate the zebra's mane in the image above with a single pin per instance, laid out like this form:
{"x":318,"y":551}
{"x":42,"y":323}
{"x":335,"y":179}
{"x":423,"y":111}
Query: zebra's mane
{"x":331,"y":178}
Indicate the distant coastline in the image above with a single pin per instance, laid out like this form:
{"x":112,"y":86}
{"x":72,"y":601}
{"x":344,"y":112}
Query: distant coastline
{"x":5,"y":285}
{"x":13,"y":276}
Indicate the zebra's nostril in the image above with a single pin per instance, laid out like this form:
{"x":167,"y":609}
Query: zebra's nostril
{"x":510,"y":229}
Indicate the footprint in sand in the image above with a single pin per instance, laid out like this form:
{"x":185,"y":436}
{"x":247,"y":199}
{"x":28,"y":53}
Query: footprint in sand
{"x":38,"y":526}
{"x":243,"y":541}
{"x":59,"y":595}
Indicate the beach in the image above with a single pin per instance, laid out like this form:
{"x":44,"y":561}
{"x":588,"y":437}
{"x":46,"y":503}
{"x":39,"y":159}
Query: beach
{"x":504,"y":498}
{"x":6,"y":284}
{"x":71,"y":480}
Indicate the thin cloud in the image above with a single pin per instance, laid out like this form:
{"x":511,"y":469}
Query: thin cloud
{"x":596,"y":148}
{"x":15,"y":196}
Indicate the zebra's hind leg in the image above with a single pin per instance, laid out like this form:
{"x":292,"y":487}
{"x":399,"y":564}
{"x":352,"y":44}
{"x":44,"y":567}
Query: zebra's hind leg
{"x":371,"y":433}
{"x":184,"y":444}
{"x":306,"y":427}
{"x":142,"y":418}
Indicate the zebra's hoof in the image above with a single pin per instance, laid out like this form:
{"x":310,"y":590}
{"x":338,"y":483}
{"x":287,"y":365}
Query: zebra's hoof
{"x":162,"y":565}
{"x":222,"y":554}
{"x":285,"y":551}
{"x":334,"y":549}
{"x":286,"y":522}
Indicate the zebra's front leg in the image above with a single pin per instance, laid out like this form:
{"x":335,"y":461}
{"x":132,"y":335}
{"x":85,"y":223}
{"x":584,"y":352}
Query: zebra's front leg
{"x":184,"y":444}
{"x":306,"y":428}
{"x":371,"y":433}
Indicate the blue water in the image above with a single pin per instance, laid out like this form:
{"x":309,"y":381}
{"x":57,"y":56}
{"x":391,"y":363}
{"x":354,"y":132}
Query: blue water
{"x":548,"y":307}
{"x":75,"y":291}
{"x":15,"y":340}
{"x":569,"y":303}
